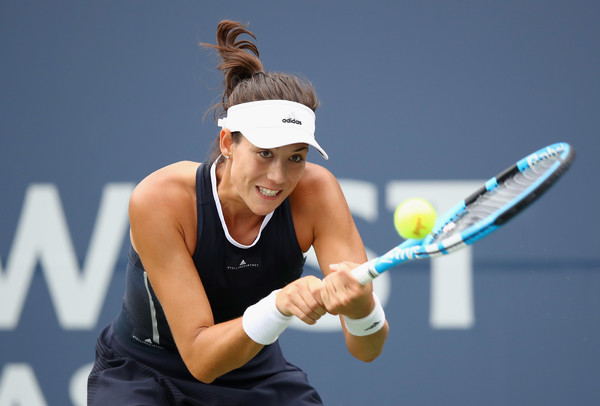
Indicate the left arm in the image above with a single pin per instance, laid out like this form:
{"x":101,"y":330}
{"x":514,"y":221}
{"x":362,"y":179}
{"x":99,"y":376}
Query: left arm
{"x":343,"y":295}
{"x":318,"y":201}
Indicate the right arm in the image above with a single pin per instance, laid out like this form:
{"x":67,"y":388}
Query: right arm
{"x":162,"y":213}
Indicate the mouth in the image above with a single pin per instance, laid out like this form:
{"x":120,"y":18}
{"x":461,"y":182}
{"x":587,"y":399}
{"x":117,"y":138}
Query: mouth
{"x":268,"y":193}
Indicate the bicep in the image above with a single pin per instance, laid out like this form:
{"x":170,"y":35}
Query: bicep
{"x":336,"y":238}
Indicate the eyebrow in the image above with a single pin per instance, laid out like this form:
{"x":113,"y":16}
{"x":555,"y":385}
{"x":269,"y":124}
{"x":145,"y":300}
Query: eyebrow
{"x":299,"y":149}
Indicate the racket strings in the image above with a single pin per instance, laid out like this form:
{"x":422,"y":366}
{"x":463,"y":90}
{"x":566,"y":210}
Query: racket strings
{"x":494,"y":200}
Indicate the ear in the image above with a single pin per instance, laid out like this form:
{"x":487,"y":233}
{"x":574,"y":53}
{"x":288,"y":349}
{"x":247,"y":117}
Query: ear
{"x":225,"y":141}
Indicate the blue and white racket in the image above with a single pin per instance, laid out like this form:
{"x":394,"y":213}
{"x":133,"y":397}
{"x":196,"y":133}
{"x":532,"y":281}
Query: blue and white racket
{"x":491,"y":206}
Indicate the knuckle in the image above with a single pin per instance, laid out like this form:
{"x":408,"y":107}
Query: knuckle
{"x":308,"y":320}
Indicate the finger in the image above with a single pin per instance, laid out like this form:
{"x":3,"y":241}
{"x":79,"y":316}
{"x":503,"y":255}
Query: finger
{"x":315,"y":289}
{"x":335,"y":294}
{"x":348,"y":281}
{"x":328,"y":299}
{"x":306,"y":307}
{"x":344,"y":294}
{"x":297,"y":307}
{"x":338,"y":284}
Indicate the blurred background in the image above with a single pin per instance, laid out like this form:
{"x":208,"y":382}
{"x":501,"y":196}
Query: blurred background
{"x":419,"y":98}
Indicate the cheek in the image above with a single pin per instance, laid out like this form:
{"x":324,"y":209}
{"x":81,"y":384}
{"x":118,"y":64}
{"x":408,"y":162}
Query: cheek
{"x":296,"y":173}
{"x":242,"y":174}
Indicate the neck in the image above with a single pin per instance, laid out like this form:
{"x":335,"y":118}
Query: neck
{"x":243,"y":224}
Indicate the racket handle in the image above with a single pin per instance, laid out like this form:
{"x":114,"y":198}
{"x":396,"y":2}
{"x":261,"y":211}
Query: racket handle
{"x":365,"y":273}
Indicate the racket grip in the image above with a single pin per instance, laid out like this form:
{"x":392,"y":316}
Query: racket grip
{"x":365,"y":273}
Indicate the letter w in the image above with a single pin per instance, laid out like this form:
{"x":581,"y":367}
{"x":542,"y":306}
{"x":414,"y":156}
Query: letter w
{"x":42,"y":235}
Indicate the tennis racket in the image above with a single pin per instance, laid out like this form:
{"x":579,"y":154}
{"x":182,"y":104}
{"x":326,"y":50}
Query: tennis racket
{"x":500,"y":199}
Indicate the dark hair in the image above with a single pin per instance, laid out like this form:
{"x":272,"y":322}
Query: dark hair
{"x":245,"y":79}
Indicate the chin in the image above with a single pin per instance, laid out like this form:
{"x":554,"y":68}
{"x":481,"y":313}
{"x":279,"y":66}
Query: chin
{"x":266,"y":207}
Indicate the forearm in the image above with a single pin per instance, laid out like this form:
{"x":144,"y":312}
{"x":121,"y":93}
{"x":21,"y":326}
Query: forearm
{"x":235,"y":342}
{"x":219,"y":349}
{"x":365,"y":336}
{"x":367,"y":348}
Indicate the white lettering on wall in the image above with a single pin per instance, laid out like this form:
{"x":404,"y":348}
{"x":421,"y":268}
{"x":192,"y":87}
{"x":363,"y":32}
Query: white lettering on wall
{"x":43,"y":236}
{"x":78,"y":385}
{"x":19,"y":386}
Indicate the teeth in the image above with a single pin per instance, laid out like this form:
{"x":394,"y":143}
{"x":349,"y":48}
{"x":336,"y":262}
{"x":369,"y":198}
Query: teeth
{"x":267,"y":192}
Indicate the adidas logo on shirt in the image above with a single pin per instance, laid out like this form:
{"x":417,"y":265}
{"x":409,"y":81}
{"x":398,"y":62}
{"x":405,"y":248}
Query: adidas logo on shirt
{"x":243,"y":265}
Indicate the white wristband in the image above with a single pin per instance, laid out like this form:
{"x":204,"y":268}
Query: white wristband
{"x":263,"y":322}
{"x":369,"y":324}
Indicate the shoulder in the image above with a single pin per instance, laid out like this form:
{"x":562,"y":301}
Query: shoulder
{"x":316,"y":179}
{"x":316,"y":188}
{"x":166,"y":199}
{"x":167,"y":184}
{"x":317,"y":200}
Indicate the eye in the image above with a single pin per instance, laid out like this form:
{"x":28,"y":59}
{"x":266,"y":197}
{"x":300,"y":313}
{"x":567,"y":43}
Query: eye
{"x":265,"y":153}
{"x":297,"y":158}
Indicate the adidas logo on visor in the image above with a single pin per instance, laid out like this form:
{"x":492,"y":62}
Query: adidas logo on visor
{"x":291,"y":119}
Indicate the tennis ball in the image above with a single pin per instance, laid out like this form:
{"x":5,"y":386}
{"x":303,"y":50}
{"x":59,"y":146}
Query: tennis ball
{"x":414,"y":218}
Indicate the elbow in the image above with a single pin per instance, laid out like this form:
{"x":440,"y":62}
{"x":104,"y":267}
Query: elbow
{"x":368,"y":348}
{"x":204,"y":375}
{"x":204,"y":378}
{"x":368,"y":357}
{"x":199,"y":364}
{"x":200,"y":367}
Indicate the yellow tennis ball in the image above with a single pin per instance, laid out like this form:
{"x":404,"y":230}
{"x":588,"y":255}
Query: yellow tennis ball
{"x":414,"y":218}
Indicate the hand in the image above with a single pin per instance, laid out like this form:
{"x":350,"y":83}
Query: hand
{"x":302,"y":298}
{"x":343,"y":294}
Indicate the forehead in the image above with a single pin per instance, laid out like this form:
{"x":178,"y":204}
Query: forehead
{"x":291,"y":148}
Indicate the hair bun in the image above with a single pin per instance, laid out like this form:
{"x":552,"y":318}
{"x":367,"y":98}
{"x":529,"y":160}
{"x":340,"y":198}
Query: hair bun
{"x":239,"y":57}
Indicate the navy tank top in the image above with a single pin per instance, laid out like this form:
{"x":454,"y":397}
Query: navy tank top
{"x":234,"y":276}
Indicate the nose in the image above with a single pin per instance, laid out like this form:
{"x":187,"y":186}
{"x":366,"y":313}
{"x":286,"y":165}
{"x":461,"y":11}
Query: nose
{"x":277,"y":172}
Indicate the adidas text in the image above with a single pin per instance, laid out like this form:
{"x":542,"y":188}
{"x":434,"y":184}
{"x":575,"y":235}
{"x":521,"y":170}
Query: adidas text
{"x":291,"y":120}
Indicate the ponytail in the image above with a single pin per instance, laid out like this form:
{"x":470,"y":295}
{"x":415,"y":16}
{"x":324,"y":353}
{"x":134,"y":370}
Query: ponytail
{"x":245,"y":79}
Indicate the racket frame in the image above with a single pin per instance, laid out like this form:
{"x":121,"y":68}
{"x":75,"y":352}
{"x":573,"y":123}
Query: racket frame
{"x":413,"y":249}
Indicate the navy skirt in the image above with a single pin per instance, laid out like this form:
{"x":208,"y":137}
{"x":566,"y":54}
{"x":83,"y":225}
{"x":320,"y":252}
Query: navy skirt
{"x":131,"y":373}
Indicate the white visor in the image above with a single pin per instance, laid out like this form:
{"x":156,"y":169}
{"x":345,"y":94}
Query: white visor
{"x":273,"y":123}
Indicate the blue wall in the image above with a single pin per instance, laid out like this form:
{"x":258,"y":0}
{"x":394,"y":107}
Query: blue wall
{"x":418,"y":98}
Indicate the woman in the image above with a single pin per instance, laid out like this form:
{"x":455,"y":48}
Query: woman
{"x":214,"y":271}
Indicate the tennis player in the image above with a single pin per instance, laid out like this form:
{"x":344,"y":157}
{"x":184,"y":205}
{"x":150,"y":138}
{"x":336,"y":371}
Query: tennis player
{"x":217,"y":254}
